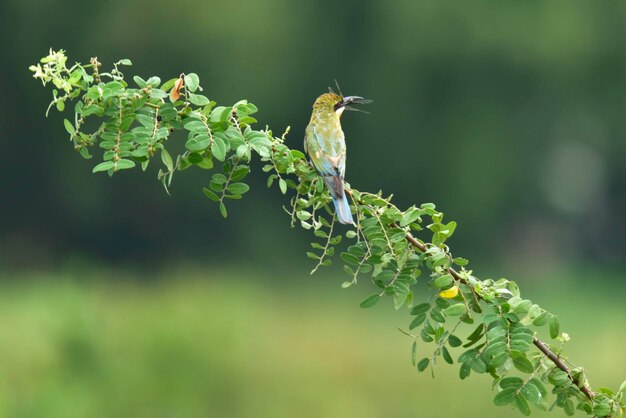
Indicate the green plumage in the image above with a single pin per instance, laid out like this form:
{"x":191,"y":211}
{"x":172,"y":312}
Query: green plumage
{"x":325,"y":144}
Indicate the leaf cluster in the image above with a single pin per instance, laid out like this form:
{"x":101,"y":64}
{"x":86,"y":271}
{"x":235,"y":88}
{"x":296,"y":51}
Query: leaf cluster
{"x":485,"y":326}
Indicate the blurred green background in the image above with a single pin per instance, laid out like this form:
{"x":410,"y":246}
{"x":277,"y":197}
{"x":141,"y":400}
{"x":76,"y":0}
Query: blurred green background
{"x":117,"y":300}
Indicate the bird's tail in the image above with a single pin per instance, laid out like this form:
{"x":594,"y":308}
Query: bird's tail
{"x":342,"y":207}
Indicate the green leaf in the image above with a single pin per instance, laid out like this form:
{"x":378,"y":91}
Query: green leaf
{"x":554,"y":327}
{"x":240,"y":173}
{"x":218,"y":148}
{"x":303,"y":215}
{"x":585,"y":406}
{"x":198,"y":99}
{"x":522,"y":405}
{"x":349,"y":258}
{"x":125,"y":61}
{"x":157,"y":93}
{"x":454,"y":341}
{"x":522,"y":364}
{"x":465,"y":370}
{"x":541,"y":319}
{"x":601,"y":409}
{"x":370,"y":301}
{"x":192,"y":82}
{"x":477,"y":333}
{"x":478,"y":365}
{"x":84,"y":152}
{"x":218,"y":178}
{"x":223,"y":210}
{"x":124,"y":164}
{"x":111,"y":89}
{"x":606,"y":391}
{"x":457,"y":309}
{"x":167,"y":159}
{"x":140,"y":81}
{"x":460,"y":261}
{"x":105,"y":166}
{"x":442,"y":303}
{"x":414,"y":353}
{"x":499,"y":359}
{"x":409,"y":217}
{"x":320,"y":234}
{"x":91,"y":110}
{"x":421,"y":308}
{"x":446,"y":355}
{"x":505,"y":397}
{"x":210,"y":195}
{"x":418,"y":320}
{"x":495,"y":348}
{"x":511,"y":382}
{"x":145,"y":120}
{"x":167,"y":86}
{"x":569,"y":408}
{"x":540,"y":386}
{"x":468,"y":355}
{"x":238,"y":188}
{"x":437,"y":315}
{"x":534,"y":312}
{"x":69,"y":127}
{"x":199,"y":143}
{"x":423,"y":364}
{"x":443,"y":281}
{"x":521,"y":346}
{"x":194,"y":124}
{"x":521,"y":333}
{"x":283,"y":186}
{"x":399,"y":299}
{"x":532,"y":393}
{"x":559,"y":378}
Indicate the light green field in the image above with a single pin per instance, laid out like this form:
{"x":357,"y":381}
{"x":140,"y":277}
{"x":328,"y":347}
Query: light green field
{"x":216,"y":344}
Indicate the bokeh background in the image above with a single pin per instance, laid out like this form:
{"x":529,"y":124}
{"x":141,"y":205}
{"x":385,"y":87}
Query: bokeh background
{"x":117,"y":300}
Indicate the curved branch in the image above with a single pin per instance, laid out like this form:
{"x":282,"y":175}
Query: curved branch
{"x":387,"y":249}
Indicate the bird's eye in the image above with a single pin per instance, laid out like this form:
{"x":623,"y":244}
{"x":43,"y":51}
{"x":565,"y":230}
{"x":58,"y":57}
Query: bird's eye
{"x":339,"y":105}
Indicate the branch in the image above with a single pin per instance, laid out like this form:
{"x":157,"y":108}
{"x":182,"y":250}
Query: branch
{"x":138,"y":122}
{"x":543,"y":347}
{"x":584,"y":387}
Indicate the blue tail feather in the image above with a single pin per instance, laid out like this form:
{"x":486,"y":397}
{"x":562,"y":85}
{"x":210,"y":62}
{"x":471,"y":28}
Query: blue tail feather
{"x":342,"y":208}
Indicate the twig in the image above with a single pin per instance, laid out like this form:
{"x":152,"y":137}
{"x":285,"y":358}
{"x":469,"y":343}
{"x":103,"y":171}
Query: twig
{"x":543,"y":347}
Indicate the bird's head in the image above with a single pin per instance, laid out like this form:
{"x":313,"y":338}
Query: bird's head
{"x":332,"y":102}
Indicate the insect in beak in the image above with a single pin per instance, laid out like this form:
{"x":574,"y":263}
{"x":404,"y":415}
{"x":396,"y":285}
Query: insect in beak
{"x":355,"y":99}
{"x":348,"y":100}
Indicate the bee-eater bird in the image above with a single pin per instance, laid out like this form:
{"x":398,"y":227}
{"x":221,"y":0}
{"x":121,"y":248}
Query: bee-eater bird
{"x":325,"y":144}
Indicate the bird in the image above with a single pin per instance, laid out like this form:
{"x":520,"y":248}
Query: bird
{"x":324,"y":142}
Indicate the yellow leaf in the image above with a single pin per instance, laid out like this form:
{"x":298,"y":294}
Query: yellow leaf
{"x":449,"y":293}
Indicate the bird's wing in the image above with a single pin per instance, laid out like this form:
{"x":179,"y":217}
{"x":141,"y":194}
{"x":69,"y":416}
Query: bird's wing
{"x":327,"y":152}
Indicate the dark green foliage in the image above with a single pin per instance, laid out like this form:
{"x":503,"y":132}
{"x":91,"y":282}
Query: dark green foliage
{"x":136,"y":123}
